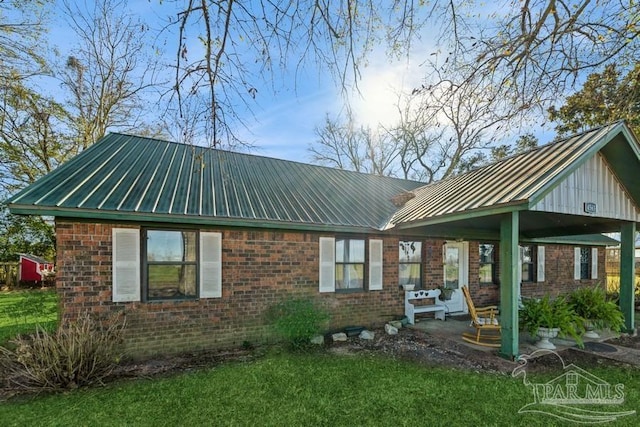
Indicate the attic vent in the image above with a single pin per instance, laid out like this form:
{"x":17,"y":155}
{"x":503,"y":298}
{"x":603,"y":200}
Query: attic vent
{"x":400,"y":199}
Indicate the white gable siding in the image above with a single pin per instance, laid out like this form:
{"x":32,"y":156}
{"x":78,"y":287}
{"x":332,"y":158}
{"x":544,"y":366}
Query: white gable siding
{"x":592,"y":182}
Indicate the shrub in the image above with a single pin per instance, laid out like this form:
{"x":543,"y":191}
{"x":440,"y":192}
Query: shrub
{"x":545,"y":313}
{"x":297,"y":320}
{"x":79,"y":353}
{"x":593,"y":306}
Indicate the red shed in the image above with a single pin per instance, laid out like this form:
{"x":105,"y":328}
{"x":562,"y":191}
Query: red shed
{"x":34,"y":269}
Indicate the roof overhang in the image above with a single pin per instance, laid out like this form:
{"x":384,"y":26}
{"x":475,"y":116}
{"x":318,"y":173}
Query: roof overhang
{"x":190,"y":220}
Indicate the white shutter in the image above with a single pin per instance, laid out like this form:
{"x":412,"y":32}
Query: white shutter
{"x":375,"y":265}
{"x":541,"y":261}
{"x":210,"y":265}
{"x":125,"y":264}
{"x":594,"y":263}
{"x":327,"y":276}
{"x":576,"y":263}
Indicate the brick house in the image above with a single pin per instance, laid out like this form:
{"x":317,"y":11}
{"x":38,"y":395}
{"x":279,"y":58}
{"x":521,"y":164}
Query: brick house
{"x":194,"y":244}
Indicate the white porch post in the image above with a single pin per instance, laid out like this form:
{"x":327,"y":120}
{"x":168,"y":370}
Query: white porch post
{"x":509,"y":230}
{"x":627,"y":274}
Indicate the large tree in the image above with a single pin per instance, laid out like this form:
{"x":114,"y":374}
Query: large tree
{"x":532,"y":49}
{"x":109,"y":73}
{"x":343,"y":144}
{"x":22,"y":25}
{"x":604,"y":98}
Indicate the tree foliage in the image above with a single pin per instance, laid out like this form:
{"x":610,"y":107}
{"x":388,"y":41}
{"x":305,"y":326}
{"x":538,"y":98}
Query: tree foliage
{"x":21,"y":30}
{"x":604,"y":98}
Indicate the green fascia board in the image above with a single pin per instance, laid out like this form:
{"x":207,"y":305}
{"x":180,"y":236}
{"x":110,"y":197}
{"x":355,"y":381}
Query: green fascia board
{"x":518,"y":205}
{"x":578,"y":240}
{"x":85,"y":214}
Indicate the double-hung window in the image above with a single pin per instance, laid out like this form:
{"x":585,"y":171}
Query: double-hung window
{"x":410,"y":263}
{"x":163,"y":264}
{"x":487,"y":264}
{"x":350,"y":262}
{"x":585,"y":263}
{"x":171,"y":264}
{"x":527,"y":254}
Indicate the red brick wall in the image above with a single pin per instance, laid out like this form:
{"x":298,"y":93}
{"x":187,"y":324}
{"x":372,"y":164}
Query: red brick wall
{"x":259,"y":269}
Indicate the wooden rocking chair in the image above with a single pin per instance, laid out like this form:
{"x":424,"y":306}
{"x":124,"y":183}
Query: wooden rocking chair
{"x":483,"y":319}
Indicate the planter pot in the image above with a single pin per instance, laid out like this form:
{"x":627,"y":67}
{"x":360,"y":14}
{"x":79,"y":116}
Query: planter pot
{"x":591,"y":333}
{"x":409,"y":287}
{"x":545,"y":334}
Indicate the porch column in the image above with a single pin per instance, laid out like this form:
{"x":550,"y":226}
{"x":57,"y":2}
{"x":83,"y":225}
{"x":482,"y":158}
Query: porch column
{"x":509,"y":230}
{"x":627,"y":274}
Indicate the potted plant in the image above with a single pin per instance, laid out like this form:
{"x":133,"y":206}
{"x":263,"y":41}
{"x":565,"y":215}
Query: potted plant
{"x":548,"y":318}
{"x":592,"y":305}
{"x":445,"y":293}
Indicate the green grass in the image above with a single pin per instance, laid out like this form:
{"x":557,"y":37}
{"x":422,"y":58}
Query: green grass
{"x":309,"y":390}
{"x":22,"y":311}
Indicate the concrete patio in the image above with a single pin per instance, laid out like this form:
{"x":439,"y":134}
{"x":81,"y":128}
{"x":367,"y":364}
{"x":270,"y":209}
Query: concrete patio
{"x":453,"y":327}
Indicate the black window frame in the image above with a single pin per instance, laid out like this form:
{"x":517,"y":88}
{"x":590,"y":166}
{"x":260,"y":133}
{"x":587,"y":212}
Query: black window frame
{"x":364,"y":264}
{"x":145,"y":264}
{"x":420,"y":264}
{"x":493,"y":263}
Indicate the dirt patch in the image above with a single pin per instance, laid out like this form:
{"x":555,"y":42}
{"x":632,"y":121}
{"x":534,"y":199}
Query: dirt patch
{"x":626,"y":341}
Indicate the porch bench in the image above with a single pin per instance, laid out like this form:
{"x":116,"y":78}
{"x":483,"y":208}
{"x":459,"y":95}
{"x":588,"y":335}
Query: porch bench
{"x":438,"y":307}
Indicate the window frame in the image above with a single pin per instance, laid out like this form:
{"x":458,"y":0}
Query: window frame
{"x":419,"y":262}
{"x":493,"y":264}
{"x":364,"y":264}
{"x":145,"y":263}
{"x":585,"y":250}
{"x":533,"y":264}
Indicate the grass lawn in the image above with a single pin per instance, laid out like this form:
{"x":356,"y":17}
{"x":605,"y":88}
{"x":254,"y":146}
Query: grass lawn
{"x":21,"y":311}
{"x":304,"y":390}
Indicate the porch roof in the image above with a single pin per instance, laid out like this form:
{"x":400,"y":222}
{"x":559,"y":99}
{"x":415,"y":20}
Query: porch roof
{"x":471,"y":204}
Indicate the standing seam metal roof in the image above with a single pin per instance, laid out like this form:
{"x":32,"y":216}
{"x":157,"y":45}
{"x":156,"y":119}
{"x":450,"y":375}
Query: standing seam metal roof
{"x":514,"y":180}
{"x":129,"y":175}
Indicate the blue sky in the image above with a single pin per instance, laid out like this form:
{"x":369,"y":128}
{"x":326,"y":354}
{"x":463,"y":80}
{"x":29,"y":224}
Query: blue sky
{"x":285,"y":117}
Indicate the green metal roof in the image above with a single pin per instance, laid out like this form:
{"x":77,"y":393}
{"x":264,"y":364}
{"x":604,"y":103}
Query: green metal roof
{"x":133,"y":178}
{"x":519,"y":181}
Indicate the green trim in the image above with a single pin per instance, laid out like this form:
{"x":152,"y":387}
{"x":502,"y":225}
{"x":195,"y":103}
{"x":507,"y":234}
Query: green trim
{"x":183,"y":219}
{"x":514,"y":206}
{"x":509,"y":265}
{"x":627,"y":275}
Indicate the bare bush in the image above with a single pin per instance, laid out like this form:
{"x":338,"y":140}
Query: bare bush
{"x":80,"y":353}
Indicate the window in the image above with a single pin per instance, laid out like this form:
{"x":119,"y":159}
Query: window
{"x":528,"y":263}
{"x":487,"y":268}
{"x":343,"y":263}
{"x":168,"y":264}
{"x":410,"y":263}
{"x":350,"y":263}
{"x":585,"y":262}
{"x":171,"y":264}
